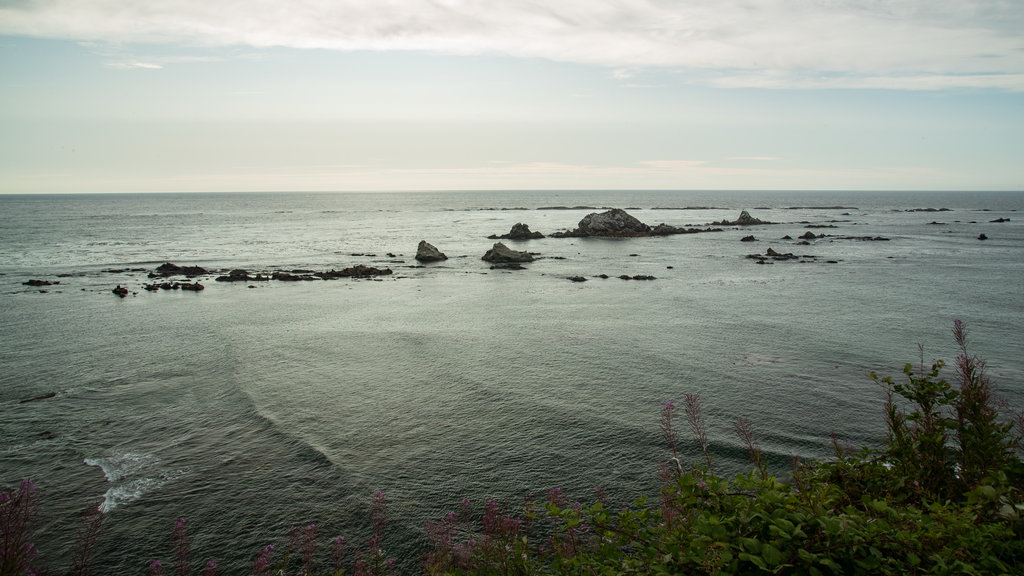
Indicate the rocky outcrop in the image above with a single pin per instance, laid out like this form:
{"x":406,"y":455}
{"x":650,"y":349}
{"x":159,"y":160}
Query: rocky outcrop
{"x":501,"y":254}
{"x":617,"y":223}
{"x":519,"y":231}
{"x":613,"y":223}
{"x":426,"y":252}
{"x":745,"y":219}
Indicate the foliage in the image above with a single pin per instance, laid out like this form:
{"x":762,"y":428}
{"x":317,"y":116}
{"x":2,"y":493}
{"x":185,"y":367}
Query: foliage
{"x":944,"y":496}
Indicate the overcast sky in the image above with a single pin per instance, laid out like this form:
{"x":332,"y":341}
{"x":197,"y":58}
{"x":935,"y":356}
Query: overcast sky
{"x":201,"y":95}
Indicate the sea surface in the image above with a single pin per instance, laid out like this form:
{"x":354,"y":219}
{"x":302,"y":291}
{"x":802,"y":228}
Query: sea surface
{"x":250,"y":407}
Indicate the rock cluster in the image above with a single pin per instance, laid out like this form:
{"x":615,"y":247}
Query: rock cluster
{"x":617,"y":223}
{"x":519,"y":231}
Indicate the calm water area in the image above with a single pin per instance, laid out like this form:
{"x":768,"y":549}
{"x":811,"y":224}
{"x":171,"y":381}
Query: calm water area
{"x":249,"y":407}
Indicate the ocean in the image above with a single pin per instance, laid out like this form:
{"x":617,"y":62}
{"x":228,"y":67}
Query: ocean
{"x":249,"y":407}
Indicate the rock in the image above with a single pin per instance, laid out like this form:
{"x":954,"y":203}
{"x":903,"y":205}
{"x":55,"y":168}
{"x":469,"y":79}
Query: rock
{"x":999,"y":220}
{"x":519,"y":231}
{"x":358,"y":271}
{"x":748,"y":239}
{"x":38,"y":398}
{"x":508,"y":266}
{"x":809,"y":236}
{"x":236,"y":275}
{"x":982,"y":237}
{"x":169,"y":269}
{"x":197,"y":287}
{"x":499,"y":253}
{"x":426,"y":252}
{"x":120,"y":291}
{"x":39,"y":283}
{"x":577,"y":278}
{"x":745,"y":219}
{"x":615,"y":223}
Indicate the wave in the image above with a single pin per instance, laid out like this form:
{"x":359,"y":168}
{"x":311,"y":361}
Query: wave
{"x":132,"y":475}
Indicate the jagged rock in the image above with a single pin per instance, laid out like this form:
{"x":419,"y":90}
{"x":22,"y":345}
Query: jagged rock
{"x":169,"y":269}
{"x":196,"y":287}
{"x":519,"y":231}
{"x":120,"y":291}
{"x":40,"y":283}
{"x":999,"y":220}
{"x":982,"y":237}
{"x":426,"y":252}
{"x":809,"y":236}
{"x":748,"y":239}
{"x":745,"y":219}
{"x":577,"y":278}
{"x":499,"y":253}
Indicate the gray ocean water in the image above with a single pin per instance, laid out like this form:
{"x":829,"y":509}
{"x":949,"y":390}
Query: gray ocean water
{"x":249,"y":407}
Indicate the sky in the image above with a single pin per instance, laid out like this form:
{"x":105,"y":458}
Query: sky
{"x":393,"y":95}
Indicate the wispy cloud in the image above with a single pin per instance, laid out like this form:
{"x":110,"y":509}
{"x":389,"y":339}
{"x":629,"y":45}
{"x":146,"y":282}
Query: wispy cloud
{"x":907,"y":45}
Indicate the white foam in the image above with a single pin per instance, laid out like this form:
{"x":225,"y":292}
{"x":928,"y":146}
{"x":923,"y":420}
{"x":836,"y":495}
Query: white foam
{"x":132,"y":475}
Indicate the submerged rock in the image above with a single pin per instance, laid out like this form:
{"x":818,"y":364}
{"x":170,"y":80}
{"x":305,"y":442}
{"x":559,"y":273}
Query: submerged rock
{"x":426,"y":252}
{"x":499,"y":253}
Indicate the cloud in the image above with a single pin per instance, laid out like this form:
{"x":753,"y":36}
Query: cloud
{"x":911,"y":44}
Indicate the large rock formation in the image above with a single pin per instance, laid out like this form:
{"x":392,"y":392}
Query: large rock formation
{"x":426,"y":252}
{"x":617,"y":223}
{"x":519,"y":231}
{"x":499,"y":253}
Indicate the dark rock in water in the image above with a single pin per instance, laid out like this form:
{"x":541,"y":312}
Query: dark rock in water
{"x":196,"y":287}
{"x":39,"y":283}
{"x":810,"y":236}
{"x":999,"y":220}
{"x":508,"y":266}
{"x":358,"y":271}
{"x":771,"y":255}
{"x":748,"y":239}
{"x":602,"y":276}
{"x":786,"y":237}
{"x":499,"y":253}
{"x":615,"y":223}
{"x":236,"y":275}
{"x":426,"y":252}
{"x":169,"y":269}
{"x":745,"y":219}
{"x":37,"y":398}
{"x":982,"y":237}
{"x":519,"y":231}
{"x":577,"y":278}
{"x":120,"y":291}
